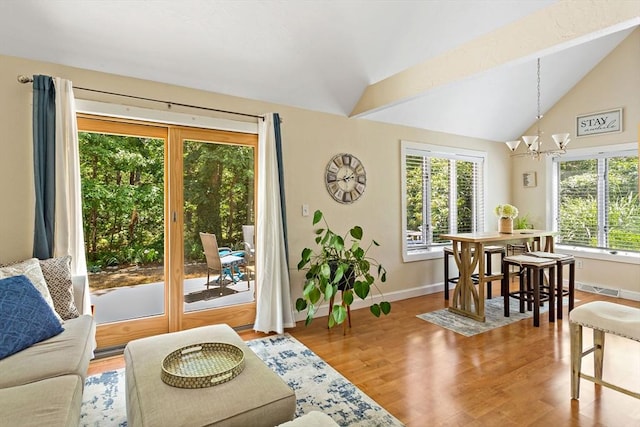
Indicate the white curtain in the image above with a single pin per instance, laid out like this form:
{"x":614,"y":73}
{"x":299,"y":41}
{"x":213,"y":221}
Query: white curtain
{"x":68,"y":235}
{"x":274,"y":310}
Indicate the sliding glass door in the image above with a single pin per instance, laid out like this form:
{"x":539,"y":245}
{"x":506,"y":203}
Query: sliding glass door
{"x":215,"y":198}
{"x":149,"y":191}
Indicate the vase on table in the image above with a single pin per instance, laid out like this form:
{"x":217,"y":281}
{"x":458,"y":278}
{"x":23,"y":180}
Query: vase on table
{"x":505,"y":225}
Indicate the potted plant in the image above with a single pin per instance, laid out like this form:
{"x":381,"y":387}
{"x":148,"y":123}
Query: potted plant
{"x":522,"y":223}
{"x":339,"y":265}
{"x":506,"y":213}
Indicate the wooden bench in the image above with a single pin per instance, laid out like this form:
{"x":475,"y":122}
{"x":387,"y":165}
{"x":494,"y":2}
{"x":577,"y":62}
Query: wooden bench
{"x":603,"y":317}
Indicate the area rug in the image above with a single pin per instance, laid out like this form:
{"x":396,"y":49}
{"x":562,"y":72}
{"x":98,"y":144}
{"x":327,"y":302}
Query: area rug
{"x":316,"y":384}
{"x":494,"y":317}
{"x":208,"y":294}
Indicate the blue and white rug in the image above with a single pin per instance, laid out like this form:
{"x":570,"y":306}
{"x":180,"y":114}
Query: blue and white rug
{"x":317,"y":387}
{"x":494,"y":315}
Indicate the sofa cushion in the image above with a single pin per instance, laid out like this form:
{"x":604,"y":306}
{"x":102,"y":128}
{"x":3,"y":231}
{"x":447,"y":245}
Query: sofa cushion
{"x":31,"y":269}
{"x":25,"y":317}
{"x":57,"y":274}
{"x":66,"y":353}
{"x":50,"y":402}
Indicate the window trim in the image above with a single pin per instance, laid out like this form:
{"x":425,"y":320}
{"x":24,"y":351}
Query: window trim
{"x":583,"y":251}
{"x":452,"y":153}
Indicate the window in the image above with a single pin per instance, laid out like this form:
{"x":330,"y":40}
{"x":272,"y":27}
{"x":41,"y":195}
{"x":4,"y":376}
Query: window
{"x":443,"y":192}
{"x":596,"y":200}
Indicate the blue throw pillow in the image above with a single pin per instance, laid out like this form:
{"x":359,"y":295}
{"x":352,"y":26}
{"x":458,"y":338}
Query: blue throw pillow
{"x":25,"y":316}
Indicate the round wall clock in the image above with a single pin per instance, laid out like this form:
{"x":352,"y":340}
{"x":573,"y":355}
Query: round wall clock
{"x":345,"y":178}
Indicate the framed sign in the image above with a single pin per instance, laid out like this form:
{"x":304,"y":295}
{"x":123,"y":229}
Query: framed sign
{"x":529,"y":179}
{"x":597,"y":123}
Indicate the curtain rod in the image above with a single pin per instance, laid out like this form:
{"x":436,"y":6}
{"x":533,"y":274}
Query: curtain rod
{"x":26,"y":79}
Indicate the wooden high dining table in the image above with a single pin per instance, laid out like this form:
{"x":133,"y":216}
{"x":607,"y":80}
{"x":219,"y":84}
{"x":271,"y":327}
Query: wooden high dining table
{"x":468,"y":250}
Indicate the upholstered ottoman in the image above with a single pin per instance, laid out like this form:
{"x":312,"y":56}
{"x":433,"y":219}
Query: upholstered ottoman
{"x":256,"y":397}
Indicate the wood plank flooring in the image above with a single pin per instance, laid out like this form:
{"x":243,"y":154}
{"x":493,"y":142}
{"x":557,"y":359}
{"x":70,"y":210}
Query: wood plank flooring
{"x":516,"y":375}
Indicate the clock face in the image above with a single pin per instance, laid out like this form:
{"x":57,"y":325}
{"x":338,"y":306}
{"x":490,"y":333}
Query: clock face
{"x":345,"y":178}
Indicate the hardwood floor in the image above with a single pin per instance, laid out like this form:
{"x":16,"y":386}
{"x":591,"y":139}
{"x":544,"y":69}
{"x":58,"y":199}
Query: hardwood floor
{"x":516,"y":375}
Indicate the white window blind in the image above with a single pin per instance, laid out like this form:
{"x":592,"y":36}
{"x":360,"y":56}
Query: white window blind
{"x":443,"y":193}
{"x":597,"y":200}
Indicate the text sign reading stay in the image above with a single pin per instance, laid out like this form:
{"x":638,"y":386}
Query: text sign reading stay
{"x":596,"y":123}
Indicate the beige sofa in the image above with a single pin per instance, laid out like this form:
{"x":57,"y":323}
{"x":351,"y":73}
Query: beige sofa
{"x":42,"y":384}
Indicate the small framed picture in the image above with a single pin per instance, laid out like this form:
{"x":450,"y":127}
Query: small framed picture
{"x":529,"y":179}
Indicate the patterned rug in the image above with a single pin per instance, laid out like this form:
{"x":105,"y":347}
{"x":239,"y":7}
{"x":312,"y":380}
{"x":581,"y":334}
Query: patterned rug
{"x":316,"y":384}
{"x":494,"y":317}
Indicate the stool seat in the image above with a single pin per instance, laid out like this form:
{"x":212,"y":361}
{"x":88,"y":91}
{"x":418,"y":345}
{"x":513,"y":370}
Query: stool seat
{"x":609,"y":317}
{"x":603,"y":317}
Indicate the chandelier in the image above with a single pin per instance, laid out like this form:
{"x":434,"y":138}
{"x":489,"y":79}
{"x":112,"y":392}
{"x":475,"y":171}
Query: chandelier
{"x":534,"y":142}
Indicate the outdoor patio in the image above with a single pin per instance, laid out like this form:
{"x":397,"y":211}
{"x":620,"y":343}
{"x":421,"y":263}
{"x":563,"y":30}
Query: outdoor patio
{"x":132,"y":302}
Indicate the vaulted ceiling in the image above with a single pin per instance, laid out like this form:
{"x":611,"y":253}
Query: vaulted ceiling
{"x":465,"y":67}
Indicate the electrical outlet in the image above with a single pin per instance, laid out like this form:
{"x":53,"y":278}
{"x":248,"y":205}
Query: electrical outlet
{"x":305,"y":210}
{"x":579,"y":263}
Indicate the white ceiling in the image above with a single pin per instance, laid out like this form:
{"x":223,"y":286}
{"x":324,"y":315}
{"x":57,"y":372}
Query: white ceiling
{"x":318,"y":55}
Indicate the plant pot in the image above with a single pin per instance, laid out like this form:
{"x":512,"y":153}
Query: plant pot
{"x":348,"y":278}
{"x":505,"y":225}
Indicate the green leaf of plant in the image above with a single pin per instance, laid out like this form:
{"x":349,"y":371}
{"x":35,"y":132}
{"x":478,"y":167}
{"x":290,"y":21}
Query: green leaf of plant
{"x":308,"y":287}
{"x":301,"y":304}
{"x":339,"y":313}
{"x":325,"y":270}
{"x":356,"y":232}
{"x":314,"y":295}
{"x":339,"y":273}
{"x":317,"y":216}
{"x":329,"y":292}
{"x":332,"y":321}
{"x":376,"y":243}
{"x":358,"y":253}
{"x":347,"y":297}
{"x":375,"y":309}
{"x":385,"y":307}
{"x":319,"y":231}
{"x":361,"y":289}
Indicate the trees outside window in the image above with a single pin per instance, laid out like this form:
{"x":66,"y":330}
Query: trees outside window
{"x":597,"y":200}
{"x":443,"y":192}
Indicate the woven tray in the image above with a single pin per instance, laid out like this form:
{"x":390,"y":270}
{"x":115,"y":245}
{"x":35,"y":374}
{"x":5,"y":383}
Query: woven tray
{"x":202,"y":365}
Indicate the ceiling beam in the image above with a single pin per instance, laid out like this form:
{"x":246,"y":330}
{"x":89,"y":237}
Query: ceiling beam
{"x":557,"y":27}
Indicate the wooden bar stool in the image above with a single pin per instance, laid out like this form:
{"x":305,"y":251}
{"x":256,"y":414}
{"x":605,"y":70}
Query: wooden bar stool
{"x":561,"y":291}
{"x":489,"y":251}
{"x":603,"y":317}
{"x":532,"y":270}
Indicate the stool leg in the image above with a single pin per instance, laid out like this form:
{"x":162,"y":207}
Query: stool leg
{"x":505,"y":288}
{"x":489,"y":270}
{"x":552,"y":291}
{"x":537,"y":279}
{"x":446,"y":276}
{"x":572,"y":284}
{"x":576,"y":358}
{"x":502,"y":255}
{"x":559,"y":287}
{"x":523,"y":272}
{"x":598,"y":353}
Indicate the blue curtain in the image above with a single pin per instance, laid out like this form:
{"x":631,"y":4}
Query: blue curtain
{"x":283,"y":204}
{"x":44,"y":134}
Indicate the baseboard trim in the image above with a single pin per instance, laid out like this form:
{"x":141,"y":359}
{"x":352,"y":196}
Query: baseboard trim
{"x":419,"y":291}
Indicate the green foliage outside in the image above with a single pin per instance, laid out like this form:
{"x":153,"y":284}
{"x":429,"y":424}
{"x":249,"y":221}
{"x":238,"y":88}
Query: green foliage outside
{"x":416,"y":168}
{"x":579,"y":203}
{"x":123,"y":197}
